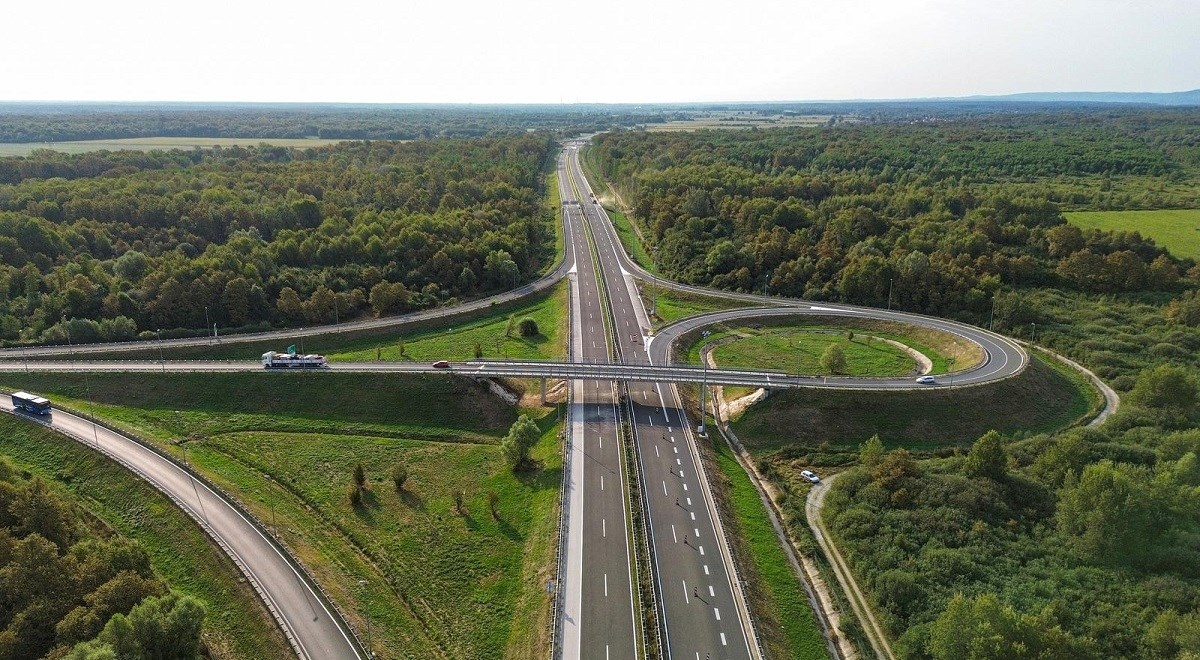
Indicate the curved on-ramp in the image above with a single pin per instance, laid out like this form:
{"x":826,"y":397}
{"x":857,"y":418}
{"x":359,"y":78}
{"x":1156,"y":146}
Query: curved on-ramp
{"x":307,"y":621}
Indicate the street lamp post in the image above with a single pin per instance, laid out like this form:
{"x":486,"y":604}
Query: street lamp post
{"x":207,"y":322}
{"x":891,"y":280}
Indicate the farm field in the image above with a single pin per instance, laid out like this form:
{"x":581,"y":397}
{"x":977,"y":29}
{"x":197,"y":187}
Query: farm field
{"x":1177,"y":230}
{"x":440,"y":581}
{"x":150,"y":143}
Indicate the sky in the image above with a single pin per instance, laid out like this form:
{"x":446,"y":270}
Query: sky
{"x":617,"y":51}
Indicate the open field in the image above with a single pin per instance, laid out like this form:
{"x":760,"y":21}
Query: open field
{"x":1176,"y":230}
{"x":150,"y":143}
{"x":828,"y":425}
{"x":439,"y":583}
{"x":799,"y":351}
{"x":437,"y":339}
{"x":237,"y":625}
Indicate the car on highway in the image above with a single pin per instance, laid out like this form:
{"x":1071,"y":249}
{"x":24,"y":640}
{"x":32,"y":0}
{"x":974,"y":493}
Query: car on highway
{"x":927,"y":380}
{"x":810,"y":476}
{"x":441,"y":364}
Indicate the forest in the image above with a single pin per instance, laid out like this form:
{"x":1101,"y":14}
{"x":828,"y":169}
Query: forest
{"x":69,"y":588}
{"x":1083,"y":543}
{"x":112,"y":245}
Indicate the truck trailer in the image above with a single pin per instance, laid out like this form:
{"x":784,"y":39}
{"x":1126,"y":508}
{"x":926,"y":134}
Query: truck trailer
{"x":273,"y":360}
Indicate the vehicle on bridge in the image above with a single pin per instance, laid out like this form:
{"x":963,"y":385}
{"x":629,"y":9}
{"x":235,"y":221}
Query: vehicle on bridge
{"x":273,"y":360}
{"x":441,"y":364}
{"x":31,"y":403}
{"x":927,"y":380}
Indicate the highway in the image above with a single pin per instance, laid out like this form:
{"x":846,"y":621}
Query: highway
{"x":701,"y":609}
{"x":702,"y":612}
{"x":315,"y":633}
{"x":598,"y":616}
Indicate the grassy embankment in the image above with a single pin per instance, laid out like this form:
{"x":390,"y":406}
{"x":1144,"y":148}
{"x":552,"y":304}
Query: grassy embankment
{"x":439,"y":582}
{"x":1176,"y":230}
{"x":422,"y":342}
{"x":828,"y":425}
{"x":237,"y":625}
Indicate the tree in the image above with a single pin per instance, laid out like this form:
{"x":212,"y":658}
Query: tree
{"x":1167,"y":387}
{"x":493,"y":501}
{"x":987,"y":457}
{"x":460,"y":501}
{"x":399,"y":476}
{"x":833,"y":359}
{"x":1185,"y":309}
{"x":871,"y":452}
{"x":522,"y":436}
{"x":360,"y":476}
{"x":982,"y":628}
{"x":289,"y":304}
{"x":500,"y":269}
{"x":1110,"y":512}
{"x":389,"y":297}
{"x":528,"y":327}
{"x":159,"y":628}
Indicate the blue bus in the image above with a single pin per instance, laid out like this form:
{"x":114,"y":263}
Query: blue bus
{"x":31,"y":403}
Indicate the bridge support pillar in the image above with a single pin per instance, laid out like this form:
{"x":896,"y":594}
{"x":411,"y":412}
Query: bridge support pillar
{"x":543,"y":390}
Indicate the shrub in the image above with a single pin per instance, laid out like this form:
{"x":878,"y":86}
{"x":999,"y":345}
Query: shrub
{"x":528,"y":328}
{"x":399,"y":476}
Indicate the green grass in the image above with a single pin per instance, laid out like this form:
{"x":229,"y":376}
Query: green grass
{"x":675,"y":305}
{"x":554,"y":203}
{"x":800,"y":352}
{"x":438,"y":584}
{"x":1176,"y":230}
{"x":629,"y":240}
{"x":237,"y":625}
{"x":439,"y":339}
{"x":150,"y":143}
{"x":784,"y":616}
{"x":1044,"y":398}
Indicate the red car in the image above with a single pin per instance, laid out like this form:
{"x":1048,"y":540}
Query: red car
{"x":441,"y":364}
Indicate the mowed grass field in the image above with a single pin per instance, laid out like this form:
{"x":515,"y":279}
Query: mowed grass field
{"x":1176,"y":230}
{"x":238,"y":624}
{"x":151,"y":143}
{"x":800,"y":352}
{"x":438,"y":582}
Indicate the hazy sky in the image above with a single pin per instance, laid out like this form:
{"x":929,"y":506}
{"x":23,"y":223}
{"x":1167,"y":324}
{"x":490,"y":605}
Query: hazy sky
{"x":616,"y":51}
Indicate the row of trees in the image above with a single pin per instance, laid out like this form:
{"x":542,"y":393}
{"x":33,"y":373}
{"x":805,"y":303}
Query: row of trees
{"x":268,"y":236}
{"x":68,"y":591}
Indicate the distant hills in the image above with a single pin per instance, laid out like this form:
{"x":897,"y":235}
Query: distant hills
{"x":1154,"y":98}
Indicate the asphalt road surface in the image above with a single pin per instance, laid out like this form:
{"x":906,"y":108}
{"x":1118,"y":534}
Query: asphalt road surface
{"x":701,"y":608}
{"x":315,"y":632}
{"x":598,"y":616}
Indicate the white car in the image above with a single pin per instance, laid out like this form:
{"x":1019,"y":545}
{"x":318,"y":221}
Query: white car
{"x":810,"y":476}
{"x":927,"y":380}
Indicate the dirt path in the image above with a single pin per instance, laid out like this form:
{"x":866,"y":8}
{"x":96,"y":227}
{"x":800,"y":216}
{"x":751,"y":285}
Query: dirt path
{"x":870,"y":625}
{"x":810,"y":577}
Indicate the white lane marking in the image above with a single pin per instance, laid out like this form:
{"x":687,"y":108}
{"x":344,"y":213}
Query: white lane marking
{"x":665,"y":491}
{"x":686,"y":598}
{"x":712,"y":593}
{"x":656,"y":452}
{"x":672,"y":438}
{"x":693,"y":514}
{"x":606,"y":652}
{"x":696,"y":532}
{"x":685,"y":486}
{"x":600,"y":437}
{"x":601,"y":482}
{"x":673,"y":534}
{"x":676,"y":449}
{"x":723,"y":642}
{"x":606,"y":584}
{"x":689,"y":501}
{"x":717,"y":611}
{"x":678,"y":461}
{"x":671,"y":430}
{"x":706,"y":569}
{"x":702,"y":550}
{"x":603,"y":527}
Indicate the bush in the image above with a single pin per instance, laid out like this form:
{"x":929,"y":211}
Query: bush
{"x":528,"y":328}
{"x":356,"y":496}
{"x":399,"y":476}
{"x":833,"y":360}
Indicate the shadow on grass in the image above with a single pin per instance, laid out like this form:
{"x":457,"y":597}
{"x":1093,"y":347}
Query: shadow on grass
{"x":412,"y":500}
